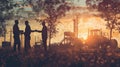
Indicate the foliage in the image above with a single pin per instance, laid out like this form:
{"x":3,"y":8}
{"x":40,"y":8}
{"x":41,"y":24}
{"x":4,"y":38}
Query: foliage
{"x":110,"y":11}
{"x":6,"y":7}
{"x":54,"y":9}
{"x":10,"y":9}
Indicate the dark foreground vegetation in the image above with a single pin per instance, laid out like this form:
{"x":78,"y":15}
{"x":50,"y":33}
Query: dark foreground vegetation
{"x":58,"y":56}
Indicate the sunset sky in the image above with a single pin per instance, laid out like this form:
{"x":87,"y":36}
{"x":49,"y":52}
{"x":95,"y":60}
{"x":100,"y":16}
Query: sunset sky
{"x":86,"y":21}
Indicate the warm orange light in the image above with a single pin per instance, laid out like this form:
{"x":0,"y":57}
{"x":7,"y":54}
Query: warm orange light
{"x":83,"y":36}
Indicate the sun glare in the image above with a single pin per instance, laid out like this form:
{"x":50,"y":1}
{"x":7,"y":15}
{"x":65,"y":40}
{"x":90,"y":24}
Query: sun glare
{"x":83,"y":36}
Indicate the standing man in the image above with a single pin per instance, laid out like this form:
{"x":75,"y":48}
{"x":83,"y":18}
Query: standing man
{"x":16,"y":33}
{"x":44,"y":35}
{"x":27,"y":36}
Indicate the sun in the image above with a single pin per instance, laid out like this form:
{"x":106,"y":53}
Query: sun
{"x":83,"y":36}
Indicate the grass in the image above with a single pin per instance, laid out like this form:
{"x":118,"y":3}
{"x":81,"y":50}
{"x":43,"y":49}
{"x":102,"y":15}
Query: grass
{"x":57,"y":56}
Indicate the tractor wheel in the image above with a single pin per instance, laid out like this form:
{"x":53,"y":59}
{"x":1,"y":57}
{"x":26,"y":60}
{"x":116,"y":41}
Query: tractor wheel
{"x":113,"y":43}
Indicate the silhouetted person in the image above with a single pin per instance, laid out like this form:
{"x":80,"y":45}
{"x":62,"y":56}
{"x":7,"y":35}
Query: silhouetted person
{"x":16,"y":33}
{"x":44,"y":35}
{"x":27,"y":36}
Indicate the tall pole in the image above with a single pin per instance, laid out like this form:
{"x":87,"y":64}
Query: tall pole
{"x":21,"y":38}
{"x":76,"y":26}
{"x":5,"y":31}
{"x":10,"y":36}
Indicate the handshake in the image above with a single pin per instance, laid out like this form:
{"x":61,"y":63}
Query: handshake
{"x":22,"y":32}
{"x":36,"y":31}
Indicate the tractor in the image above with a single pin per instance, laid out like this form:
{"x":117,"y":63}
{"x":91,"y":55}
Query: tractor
{"x":97,"y":41}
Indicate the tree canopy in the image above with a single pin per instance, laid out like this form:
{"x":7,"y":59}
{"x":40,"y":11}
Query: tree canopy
{"x":109,"y":11}
{"x":53,"y":10}
{"x":6,"y":7}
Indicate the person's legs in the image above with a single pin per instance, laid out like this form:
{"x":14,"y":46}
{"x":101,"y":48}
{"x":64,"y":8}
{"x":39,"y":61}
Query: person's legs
{"x":14,"y":47}
{"x":19,"y":45}
{"x":27,"y":45}
{"x":15,"y":43}
{"x":45,"y":44}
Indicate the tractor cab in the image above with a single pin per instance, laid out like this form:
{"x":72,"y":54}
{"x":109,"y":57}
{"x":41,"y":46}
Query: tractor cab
{"x":95,"y":32}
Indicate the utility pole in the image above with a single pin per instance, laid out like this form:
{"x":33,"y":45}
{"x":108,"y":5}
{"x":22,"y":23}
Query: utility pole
{"x":5,"y":31}
{"x":76,"y":26}
{"x":11,"y":36}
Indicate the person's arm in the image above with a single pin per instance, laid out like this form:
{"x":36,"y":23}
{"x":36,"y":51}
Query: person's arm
{"x":38,"y":31}
{"x":35,"y":31}
{"x":32,"y":30}
{"x":21,"y":32}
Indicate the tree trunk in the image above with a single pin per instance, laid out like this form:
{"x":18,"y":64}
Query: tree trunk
{"x":110,"y":33}
{"x":49,"y":39}
{"x":50,"y":36}
{"x":5,"y":37}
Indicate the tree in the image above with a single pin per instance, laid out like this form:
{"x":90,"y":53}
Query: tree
{"x":54,"y":13}
{"x":6,"y":7}
{"x":54,"y":9}
{"x":109,"y":10}
{"x":10,"y":9}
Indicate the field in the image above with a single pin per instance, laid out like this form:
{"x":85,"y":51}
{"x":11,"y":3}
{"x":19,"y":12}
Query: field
{"x":58,"y":56}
